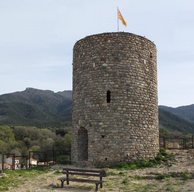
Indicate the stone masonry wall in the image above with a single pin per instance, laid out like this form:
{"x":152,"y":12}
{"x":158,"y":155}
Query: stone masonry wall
{"x":126,"y":128}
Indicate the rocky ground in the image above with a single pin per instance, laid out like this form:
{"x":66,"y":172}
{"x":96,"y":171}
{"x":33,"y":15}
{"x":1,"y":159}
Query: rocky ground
{"x":174,"y":177}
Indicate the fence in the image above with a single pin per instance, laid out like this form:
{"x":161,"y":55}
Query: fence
{"x":49,"y":157}
{"x":36,"y":158}
{"x":176,"y":143}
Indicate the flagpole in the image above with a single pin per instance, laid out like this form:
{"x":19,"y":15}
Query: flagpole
{"x":117,"y":20}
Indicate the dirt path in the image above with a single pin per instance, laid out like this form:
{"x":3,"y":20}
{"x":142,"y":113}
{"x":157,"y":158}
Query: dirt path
{"x":123,"y":181}
{"x":46,"y":182}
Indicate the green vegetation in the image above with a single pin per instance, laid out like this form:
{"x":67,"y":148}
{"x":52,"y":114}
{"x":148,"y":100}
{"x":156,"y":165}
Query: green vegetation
{"x":46,"y":109}
{"x":163,"y":132}
{"x":16,"y":178}
{"x":185,"y":112}
{"x":137,"y":177}
{"x":143,"y":163}
{"x":185,"y":176}
{"x":174,"y":123}
{"x":125,"y":181}
{"x":110,"y":174}
{"x":160,"y":177}
{"x":57,"y":172}
{"x":20,"y":140}
{"x":33,"y":107}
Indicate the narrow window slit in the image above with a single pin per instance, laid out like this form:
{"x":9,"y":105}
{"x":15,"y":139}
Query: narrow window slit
{"x":151,"y":55}
{"x":108,"y":96}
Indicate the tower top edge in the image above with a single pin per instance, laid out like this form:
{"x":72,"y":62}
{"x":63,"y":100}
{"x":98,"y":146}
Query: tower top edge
{"x":113,"y":34}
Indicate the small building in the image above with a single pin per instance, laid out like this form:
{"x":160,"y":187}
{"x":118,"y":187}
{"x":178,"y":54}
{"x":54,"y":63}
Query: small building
{"x":17,"y":164}
{"x":7,"y":166}
{"x":9,"y":160}
{"x":51,"y":162}
{"x":32,"y":162}
{"x":42,"y":163}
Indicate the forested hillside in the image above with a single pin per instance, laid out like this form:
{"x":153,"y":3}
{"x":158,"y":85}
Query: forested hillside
{"x":34,"y":107}
{"x":174,"y":123}
{"x":19,"y":140}
{"x":185,"y":112}
{"x":46,"y":109}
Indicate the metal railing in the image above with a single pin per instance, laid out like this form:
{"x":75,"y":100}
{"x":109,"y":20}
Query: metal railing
{"x":176,"y":143}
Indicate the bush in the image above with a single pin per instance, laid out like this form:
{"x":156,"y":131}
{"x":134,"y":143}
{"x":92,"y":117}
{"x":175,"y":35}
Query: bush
{"x":174,"y":175}
{"x":143,"y":163}
{"x":64,"y":159}
{"x":125,"y":181}
{"x":160,"y":177}
{"x":57,"y":172}
{"x":185,"y":175}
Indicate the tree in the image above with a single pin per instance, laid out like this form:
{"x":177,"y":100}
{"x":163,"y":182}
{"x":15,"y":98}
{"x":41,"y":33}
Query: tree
{"x":6,"y":133}
{"x":3,"y":147}
{"x":27,"y":142}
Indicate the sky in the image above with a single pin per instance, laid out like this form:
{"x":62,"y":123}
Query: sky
{"x":37,"y":39}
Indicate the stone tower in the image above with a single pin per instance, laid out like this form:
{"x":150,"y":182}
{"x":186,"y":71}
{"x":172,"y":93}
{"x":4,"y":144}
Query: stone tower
{"x":115,"y":102}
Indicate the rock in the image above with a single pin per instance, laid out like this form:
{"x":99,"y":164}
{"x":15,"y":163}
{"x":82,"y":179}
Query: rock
{"x":150,"y":176}
{"x":53,"y":185}
{"x":3,"y":175}
{"x":37,"y":189}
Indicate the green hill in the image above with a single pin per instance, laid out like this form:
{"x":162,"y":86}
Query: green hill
{"x":185,"y":112}
{"x":174,"y":123}
{"x":44,"y":108}
{"x":35,"y":107}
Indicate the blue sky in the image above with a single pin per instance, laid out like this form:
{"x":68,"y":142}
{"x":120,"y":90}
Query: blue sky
{"x":37,"y":39}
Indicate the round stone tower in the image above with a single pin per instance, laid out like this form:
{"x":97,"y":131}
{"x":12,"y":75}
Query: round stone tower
{"x":115,"y":102}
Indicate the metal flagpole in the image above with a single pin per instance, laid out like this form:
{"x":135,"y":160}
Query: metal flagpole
{"x":117,"y":19}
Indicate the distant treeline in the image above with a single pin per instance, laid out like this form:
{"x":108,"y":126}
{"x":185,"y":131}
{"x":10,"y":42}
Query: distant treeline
{"x":19,"y":140}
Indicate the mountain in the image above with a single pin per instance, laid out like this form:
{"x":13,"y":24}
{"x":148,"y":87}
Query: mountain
{"x":44,"y":108}
{"x":35,"y":106}
{"x":185,"y":112}
{"x":174,"y":123}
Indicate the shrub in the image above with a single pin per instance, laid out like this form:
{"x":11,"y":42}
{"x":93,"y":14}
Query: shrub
{"x":110,"y":174}
{"x":125,"y":181}
{"x":143,"y":163}
{"x":185,"y":175}
{"x":174,"y":175}
{"x":160,"y":177}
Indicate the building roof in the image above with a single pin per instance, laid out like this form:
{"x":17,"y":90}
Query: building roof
{"x":6,"y":165}
{"x":42,"y":163}
{"x":32,"y":159}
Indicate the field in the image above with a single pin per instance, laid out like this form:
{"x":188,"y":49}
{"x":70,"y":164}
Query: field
{"x":172,"y":175}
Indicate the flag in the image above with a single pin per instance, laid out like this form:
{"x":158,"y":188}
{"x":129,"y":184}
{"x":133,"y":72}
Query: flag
{"x":121,"y":18}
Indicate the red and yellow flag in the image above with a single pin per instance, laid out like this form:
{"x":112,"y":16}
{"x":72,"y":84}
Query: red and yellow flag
{"x":121,"y":18}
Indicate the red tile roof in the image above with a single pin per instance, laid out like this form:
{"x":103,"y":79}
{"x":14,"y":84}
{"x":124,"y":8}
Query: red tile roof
{"x":32,"y":159}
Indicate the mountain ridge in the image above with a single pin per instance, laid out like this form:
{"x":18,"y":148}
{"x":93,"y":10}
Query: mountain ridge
{"x":186,"y":112}
{"x":45,"y":108}
{"x":34,"y":105}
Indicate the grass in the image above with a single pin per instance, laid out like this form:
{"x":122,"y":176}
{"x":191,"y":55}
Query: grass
{"x":160,"y":177}
{"x":186,"y":176}
{"x":125,"y":181}
{"x":119,"y":180}
{"x":16,"y":178}
{"x":58,"y":172}
{"x":110,"y":174}
{"x":162,"y":156}
{"x":137,"y":177}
